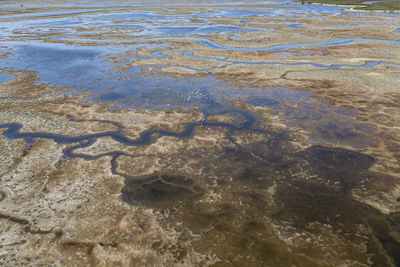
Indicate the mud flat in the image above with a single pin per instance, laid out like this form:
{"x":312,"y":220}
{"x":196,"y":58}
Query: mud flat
{"x":198,"y":134}
{"x":375,"y":6}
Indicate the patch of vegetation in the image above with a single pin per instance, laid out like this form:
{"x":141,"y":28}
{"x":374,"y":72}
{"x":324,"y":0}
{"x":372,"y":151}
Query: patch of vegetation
{"x":381,"y":5}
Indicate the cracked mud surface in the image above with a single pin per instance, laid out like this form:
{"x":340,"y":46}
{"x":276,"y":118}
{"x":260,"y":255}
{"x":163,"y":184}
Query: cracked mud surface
{"x":198,"y":134}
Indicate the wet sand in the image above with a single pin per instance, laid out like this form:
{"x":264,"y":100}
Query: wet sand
{"x":198,"y":134}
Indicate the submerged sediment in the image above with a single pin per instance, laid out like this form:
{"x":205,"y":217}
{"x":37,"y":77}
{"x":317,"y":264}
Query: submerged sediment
{"x":199,"y":145}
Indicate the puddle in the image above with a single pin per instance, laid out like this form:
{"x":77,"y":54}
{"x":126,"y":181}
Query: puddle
{"x":6,"y":77}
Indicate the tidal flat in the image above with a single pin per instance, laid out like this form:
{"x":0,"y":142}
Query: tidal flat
{"x":200,"y":133}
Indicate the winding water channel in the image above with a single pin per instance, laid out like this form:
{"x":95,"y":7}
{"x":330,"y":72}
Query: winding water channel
{"x":225,"y":134}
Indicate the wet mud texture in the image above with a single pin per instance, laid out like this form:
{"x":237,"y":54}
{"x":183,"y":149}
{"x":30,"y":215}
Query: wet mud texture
{"x":260,"y":180}
{"x":289,"y":158}
{"x":306,"y":201}
{"x":159,"y":191}
{"x":244,"y":173}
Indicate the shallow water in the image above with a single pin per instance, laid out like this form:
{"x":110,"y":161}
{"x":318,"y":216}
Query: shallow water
{"x":84,"y":69}
{"x":118,"y":58}
{"x":87,"y":70}
{"x":6,"y":77}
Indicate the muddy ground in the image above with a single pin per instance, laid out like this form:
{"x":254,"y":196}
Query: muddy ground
{"x":198,"y":134}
